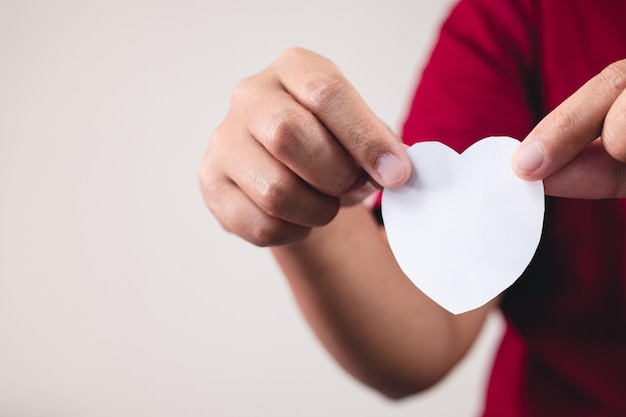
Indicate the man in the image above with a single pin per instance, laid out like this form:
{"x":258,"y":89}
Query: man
{"x":300,"y":147}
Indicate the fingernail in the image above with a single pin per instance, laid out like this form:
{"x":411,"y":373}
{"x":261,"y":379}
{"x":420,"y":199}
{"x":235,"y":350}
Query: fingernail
{"x":529,"y":158}
{"x":390,"y":168}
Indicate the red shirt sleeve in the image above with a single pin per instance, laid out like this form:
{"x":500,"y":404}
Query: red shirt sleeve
{"x":480,"y":79}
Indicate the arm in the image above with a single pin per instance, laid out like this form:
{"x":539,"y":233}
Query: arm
{"x":298,"y":145}
{"x":367,"y":313}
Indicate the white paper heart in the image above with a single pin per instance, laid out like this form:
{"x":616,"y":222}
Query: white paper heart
{"x":464,"y":227}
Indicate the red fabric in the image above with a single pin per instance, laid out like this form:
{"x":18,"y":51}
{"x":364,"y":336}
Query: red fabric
{"x":497,"y":68}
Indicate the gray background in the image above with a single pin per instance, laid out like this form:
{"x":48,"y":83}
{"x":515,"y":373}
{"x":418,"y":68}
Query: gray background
{"x":119,"y":294}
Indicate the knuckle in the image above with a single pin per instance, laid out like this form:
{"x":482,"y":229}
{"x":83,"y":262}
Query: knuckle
{"x":275,"y":232}
{"x":262,"y":231}
{"x":566,"y":121}
{"x":242,"y":89}
{"x":266,"y":233}
{"x":614,"y":75}
{"x":203,"y":178}
{"x":220,"y":210}
{"x":211,"y":190}
{"x":288,"y":127}
{"x":614,"y":143}
{"x":218,"y":136}
{"x":276,"y":195}
{"x":322,"y":93}
{"x":206,"y":172}
{"x":360,"y":135}
{"x":294,"y":53}
{"x":204,"y":183}
{"x":228,"y":226}
{"x":364,"y":143}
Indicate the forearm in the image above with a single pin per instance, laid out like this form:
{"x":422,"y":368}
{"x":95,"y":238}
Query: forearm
{"x":367,"y":313}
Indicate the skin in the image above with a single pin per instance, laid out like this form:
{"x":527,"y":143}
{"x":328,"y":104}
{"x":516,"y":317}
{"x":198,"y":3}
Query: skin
{"x":581,"y":144}
{"x":297,"y":142}
{"x":366,"y":312}
{"x":297,"y":150}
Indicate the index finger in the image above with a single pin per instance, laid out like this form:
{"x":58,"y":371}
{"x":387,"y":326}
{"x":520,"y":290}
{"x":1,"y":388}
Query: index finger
{"x":319,"y":86}
{"x":569,"y":128}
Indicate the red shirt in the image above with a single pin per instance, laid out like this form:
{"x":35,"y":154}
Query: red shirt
{"x":498,"y":67}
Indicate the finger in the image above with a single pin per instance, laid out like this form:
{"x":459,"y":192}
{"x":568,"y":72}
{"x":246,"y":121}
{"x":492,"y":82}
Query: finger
{"x":336,"y":103}
{"x":592,"y":174}
{"x":299,"y":140}
{"x":614,"y":129}
{"x":578,"y":121}
{"x":239,"y":215}
{"x":359,"y":195}
{"x":234,"y":210}
{"x":273,"y":187}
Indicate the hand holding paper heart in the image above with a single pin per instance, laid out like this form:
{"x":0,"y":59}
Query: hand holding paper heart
{"x":464,"y":227}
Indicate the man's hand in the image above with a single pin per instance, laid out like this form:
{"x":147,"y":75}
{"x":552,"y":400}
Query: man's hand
{"x":579,"y":149}
{"x":298,"y":142}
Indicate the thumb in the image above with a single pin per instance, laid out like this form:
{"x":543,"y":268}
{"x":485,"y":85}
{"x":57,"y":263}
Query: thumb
{"x":341,"y":109}
{"x":377,"y":150}
{"x":392,"y":167}
{"x":573,"y":125}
